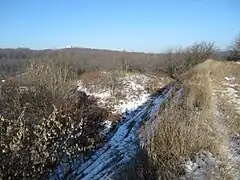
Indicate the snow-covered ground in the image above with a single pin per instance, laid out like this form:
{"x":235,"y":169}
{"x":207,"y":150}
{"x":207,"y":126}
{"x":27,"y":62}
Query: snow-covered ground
{"x":203,"y":167}
{"x":132,"y":90}
{"x":137,"y":106}
{"x":122,"y":145}
{"x":140,"y":108}
{"x":129,"y":94}
{"x":232,"y":91}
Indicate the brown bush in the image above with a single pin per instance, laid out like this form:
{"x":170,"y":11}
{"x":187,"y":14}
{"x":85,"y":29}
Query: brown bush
{"x":55,"y":75}
{"x":180,"y":136}
{"x":179,"y":60}
{"x":36,"y":135}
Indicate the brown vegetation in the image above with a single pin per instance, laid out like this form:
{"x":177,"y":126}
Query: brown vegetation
{"x":180,"y":60}
{"x":234,"y":50}
{"x":186,"y":128}
{"x":44,"y":121}
{"x":14,"y":61}
{"x":41,"y":126}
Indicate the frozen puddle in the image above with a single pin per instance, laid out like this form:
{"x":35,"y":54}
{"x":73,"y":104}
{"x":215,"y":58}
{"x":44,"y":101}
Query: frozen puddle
{"x":123,"y":144}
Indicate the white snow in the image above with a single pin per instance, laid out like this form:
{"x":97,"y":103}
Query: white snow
{"x":123,"y":145}
{"x":102,"y":94}
{"x":3,"y":80}
{"x":190,"y":166}
{"x":131,"y":105}
{"x":132,"y":89}
{"x":232,"y":92}
{"x":203,"y":166}
{"x":230,"y":78}
{"x":107,"y":125}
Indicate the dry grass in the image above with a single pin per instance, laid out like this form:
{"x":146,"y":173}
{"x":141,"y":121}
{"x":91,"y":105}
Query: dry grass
{"x":185,"y":129}
{"x":102,"y":80}
{"x":56,"y":76}
{"x":182,"y":134}
{"x":156,"y":81}
{"x":220,"y":70}
{"x":109,"y":80}
{"x":138,"y":168}
{"x":188,"y":128}
{"x":231,"y":117}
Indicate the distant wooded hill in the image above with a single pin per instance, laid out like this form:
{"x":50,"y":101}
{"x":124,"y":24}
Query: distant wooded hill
{"x":14,"y":61}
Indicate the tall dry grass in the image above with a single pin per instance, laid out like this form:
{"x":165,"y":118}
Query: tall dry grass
{"x":186,"y":129}
{"x":183,"y":132}
{"x":230,"y":116}
{"x":190,"y":127}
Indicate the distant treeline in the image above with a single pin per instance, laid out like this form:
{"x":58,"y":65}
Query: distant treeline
{"x":14,"y":61}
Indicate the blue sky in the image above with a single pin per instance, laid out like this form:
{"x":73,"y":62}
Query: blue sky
{"x":132,"y":25}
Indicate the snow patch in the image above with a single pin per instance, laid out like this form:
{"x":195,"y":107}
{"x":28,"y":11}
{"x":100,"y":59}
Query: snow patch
{"x":203,"y":166}
{"x":102,"y":94}
{"x":231,"y":90}
{"x":131,"y":93}
{"x":122,"y":145}
{"x":107,"y":125}
{"x":230,"y":78}
{"x":131,"y":105}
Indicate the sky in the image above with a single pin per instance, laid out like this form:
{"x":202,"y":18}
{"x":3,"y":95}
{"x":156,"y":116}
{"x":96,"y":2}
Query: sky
{"x":131,"y":25}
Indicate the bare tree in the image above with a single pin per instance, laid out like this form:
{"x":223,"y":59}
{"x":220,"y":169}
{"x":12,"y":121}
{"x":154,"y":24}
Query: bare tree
{"x":197,"y":53}
{"x":171,"y":65}
{"x":173,"y":60}
{"x":124,"y":65}
{"x":234,"y":50}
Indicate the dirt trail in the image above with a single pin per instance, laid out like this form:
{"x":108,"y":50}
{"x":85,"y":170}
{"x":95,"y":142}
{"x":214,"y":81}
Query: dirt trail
{"x":123,"y":144}
{"x":230,"y":91}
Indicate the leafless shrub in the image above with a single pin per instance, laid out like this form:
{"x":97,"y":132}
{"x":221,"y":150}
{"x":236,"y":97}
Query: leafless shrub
{"x":55,"y":75}
{"x":234,"y":50}
{"x":102,"y":80}
{"x":198,"y":53}
{"x":173,"y":60}
{"x":125,"y":65}
{"x":180,"y":60}
{"x":36,"y":135}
